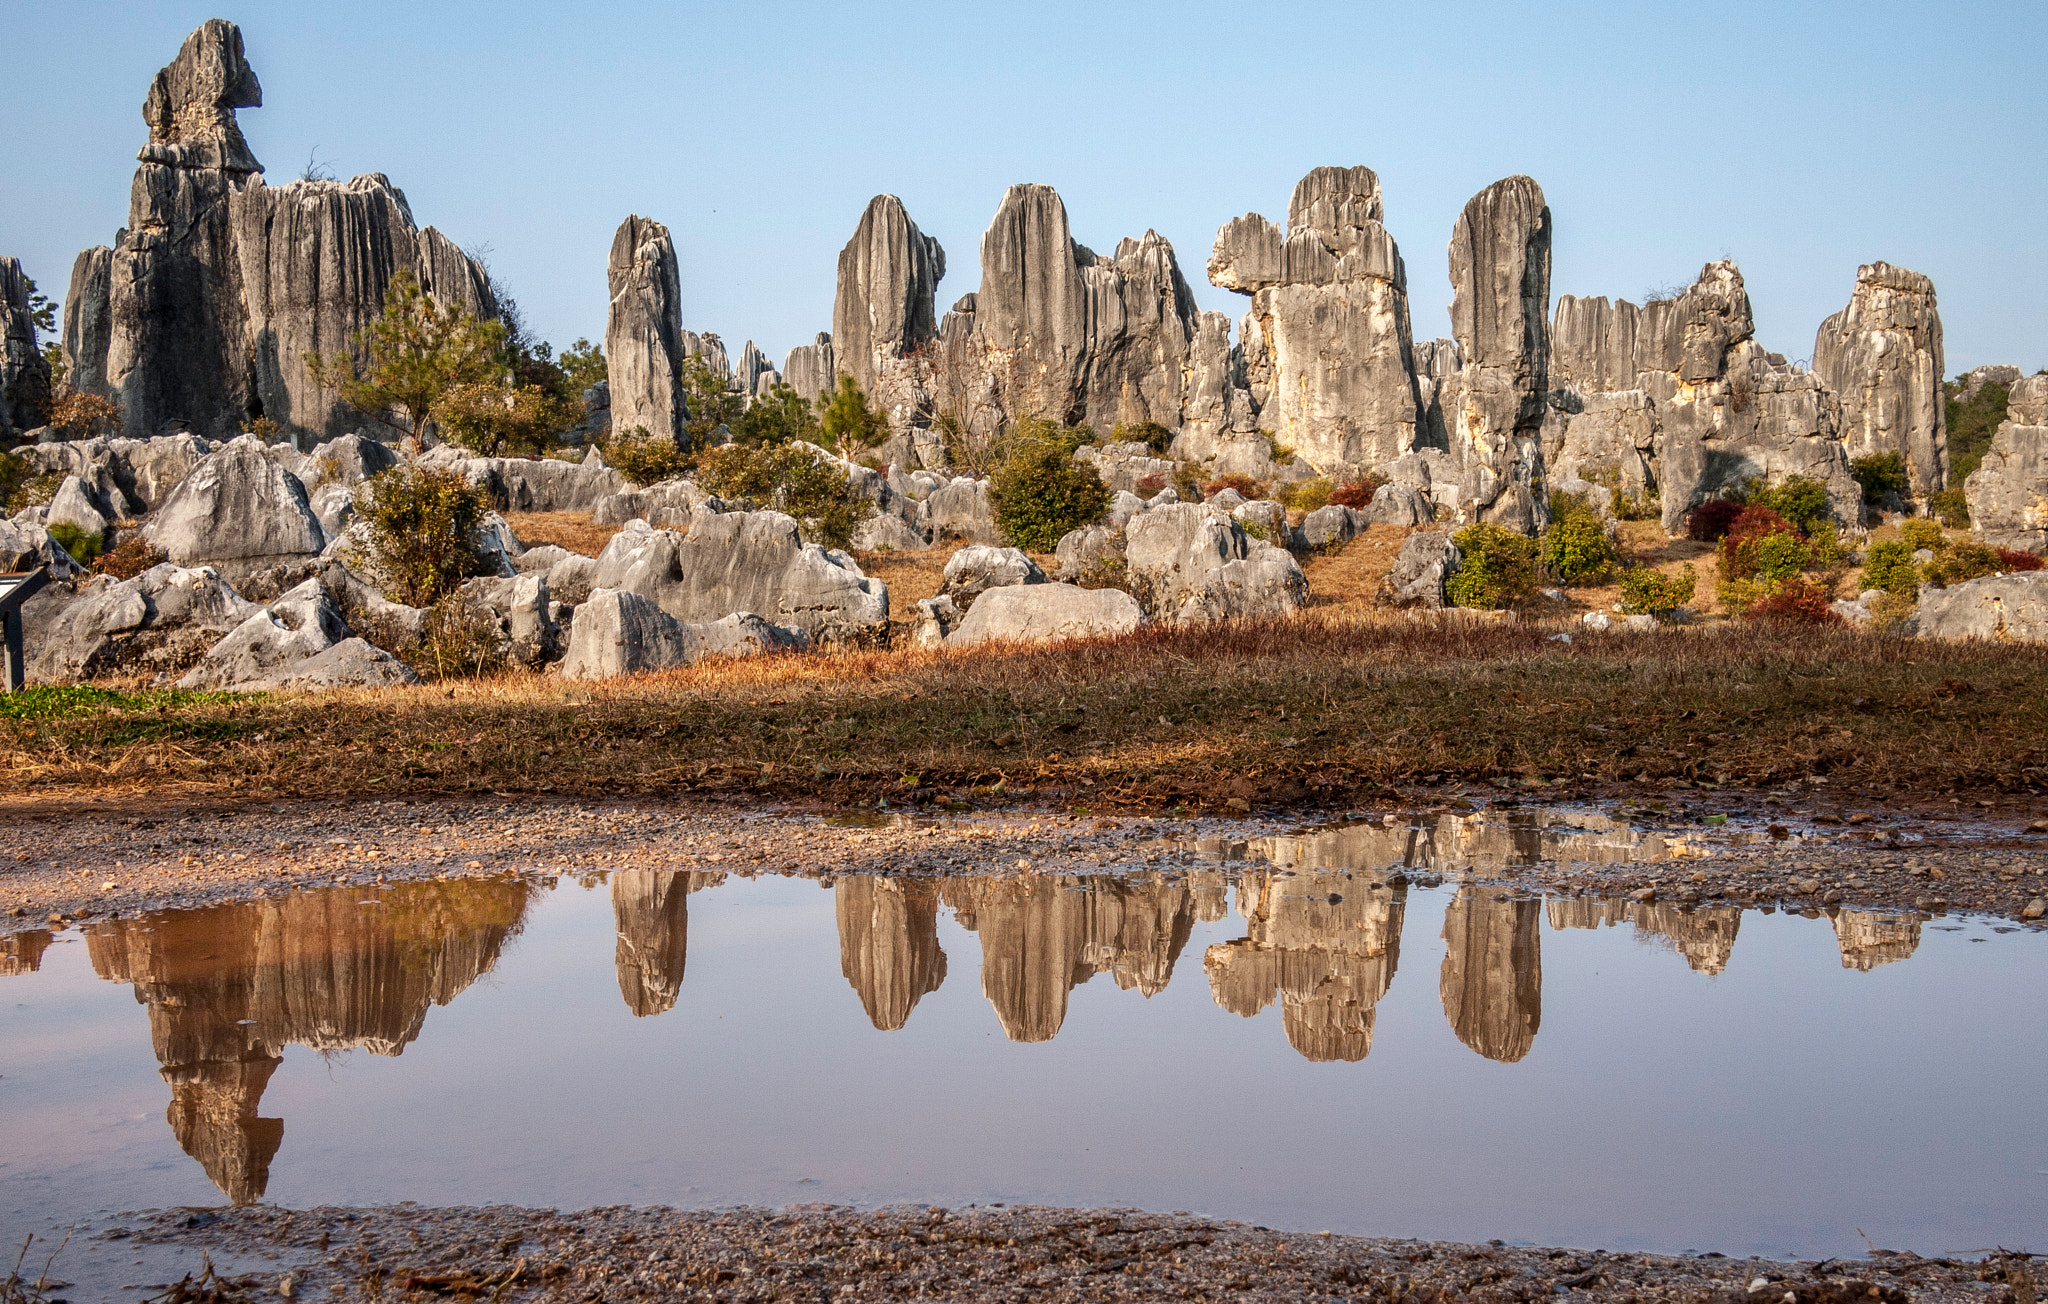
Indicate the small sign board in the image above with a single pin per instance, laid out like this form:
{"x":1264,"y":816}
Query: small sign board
{"x":16,"y":587}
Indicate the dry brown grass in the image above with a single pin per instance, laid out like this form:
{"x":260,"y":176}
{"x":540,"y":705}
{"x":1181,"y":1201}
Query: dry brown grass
{"x":571,"y":530}
{"x":1317,"y":707}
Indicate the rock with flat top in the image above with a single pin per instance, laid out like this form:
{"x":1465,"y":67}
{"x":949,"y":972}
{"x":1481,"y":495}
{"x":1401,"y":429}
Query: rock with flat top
{"x":622,"y":633}
{"x":1882,"y":358}
{"x":974,"y":570}
{"x":1047,"y":613}
{"x":1997,"y":608}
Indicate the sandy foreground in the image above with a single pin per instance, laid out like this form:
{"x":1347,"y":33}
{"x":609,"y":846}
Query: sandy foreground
{"x":978,"y":1253}
{"x":60,"y":868}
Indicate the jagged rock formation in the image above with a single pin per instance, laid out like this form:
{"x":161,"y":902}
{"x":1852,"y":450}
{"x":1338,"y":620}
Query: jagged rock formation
{"x":238,"y":510}
{"x":809,"y":368}
{"x":158,"y":624}
{"x":1040,"y":938}
{"x":619,"y":632}
{"x":889,"y":944}
{"x":1190,"y":563}
{"x":2008,"y":492}
{"x":882,"y":308}
{"x":1326,"y":345}
{"x":1483,"y":842}
{"x":1997,"y":608}
{"x":1869,"y":938}
{"x":643,"y":339}
{"x":651,"y":910}
{"x":1492,"y":982}
{"x":298,"y":641}
{"x":1326,"y":944}
{"x":1675,"y":402}
{"x":229,"y":987}
{"x":1882,"y":357}
{"x":218,"y":284}
{"x":24,"y":374}
{"x":1705,"y":936}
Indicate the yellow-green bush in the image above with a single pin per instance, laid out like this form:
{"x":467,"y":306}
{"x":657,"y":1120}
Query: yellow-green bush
{"x":1497,"y":567}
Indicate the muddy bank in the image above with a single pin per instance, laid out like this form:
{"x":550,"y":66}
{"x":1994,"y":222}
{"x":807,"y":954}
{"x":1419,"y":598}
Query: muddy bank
{"x":62,"y":867}
{"x":984,"y":1253}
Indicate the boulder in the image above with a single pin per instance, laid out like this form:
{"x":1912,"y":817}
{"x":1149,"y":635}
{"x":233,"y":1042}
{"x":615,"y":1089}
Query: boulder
{"x":74,"y":507}
{"x":1122,"y":467}
{"x":884,"y":532}
{"x":973,"y":570}
{"x":25,"y":547}
{"x":644,"y":345}
{"x":959,"y":511}
{"x":2008,"y":492}
{"x":937,"y":618}
{"x":669,"y":505}
{"x":1189,"y":563}
{"x":1882,"y":358}
{"x":334,"y":506}
{"x":747,"y":561}
{"x":1329,"y":528}
{"x":1047,"y":612}
{"x":622,"y":633}
{"x":346,"y":461}
{"x":1090,"y":549}
{"x":239,"y":511}
{"x":298,"y":641}
{"x":1264,"y":519}
{"x":393,"y":626}
{"x":1325,"y":350}
{"x":519,"y":607}
{"x":1416,"y":580}
{"x":157,"y":624}
{"x":2004,"y":608}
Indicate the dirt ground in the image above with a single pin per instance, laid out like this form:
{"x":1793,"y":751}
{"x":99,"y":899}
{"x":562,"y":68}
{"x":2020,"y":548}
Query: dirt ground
{"x":990,"y":1253}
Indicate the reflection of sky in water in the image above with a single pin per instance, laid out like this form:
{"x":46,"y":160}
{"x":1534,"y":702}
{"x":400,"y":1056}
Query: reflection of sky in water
{"x":1452,"y":1062}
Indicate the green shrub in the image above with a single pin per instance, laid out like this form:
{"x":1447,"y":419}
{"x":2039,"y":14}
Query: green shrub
{"x":1800,"y":499}
{"x":501,"y":421}
{"x":1918,"y":532}
{"x":710,"y":401}
{"x":459,"y":642}
{"x":1149,"y":433}
{"x":1971,"y":426}
{"x":83,"y":547}
{"x":1880,"y":474}
{"x":643,"y":458}
{"x":423,"y":525}
{"x":848,"y":421}
{"x":792,"y":478}
{"x":1889,"y":566}
{"x":1306,"y":495}
{"x":777,"y":417}
{"x":583,"y":366}
{"x":1648,"y":592}
{"x":1575,"y":548}
{"x":1040,"y":492}
{"x":1951,"y":507}
{"x":1961,"y":561}
{"x":1497,"y":567}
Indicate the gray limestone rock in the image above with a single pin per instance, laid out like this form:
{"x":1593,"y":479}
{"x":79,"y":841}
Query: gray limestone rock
{"x":882,"y":307}
{"x":1882,"y":357}
{"x":73,"y":506}
{"x":809,"y":368}
{"x":2027,"y":400}
{"x":1123,"y":467}
{"x":747,"y":561}
{"x":1091,"y":551}
{"x":1030,"y":312}
{"x":298,"y":641}
{"x":644,"y":344}
{"x":157,"y":624}
{"x":1047,"y":613}
{"x":1999,"y":608}
{"x":1138,"y":336}
{"x":670,"y":505}
{"x":88,"y":324}
{"x":937,"y":618}
{"x":24,"y":374}
{"x":623,"y":633}
{"x":393,"y":626}
{"x":519,"y":606}
{"x":1328,"y":528}
{"x":26,"y":547}
{"x":1500,"y":274}
{"x":1327,"y":348}
{"x":347,"y":461}
{"x":884,"y":532}
{"x":1427,"y":559}
{"x":960,"y":510}
{"x":239,"y":511}
{"x":2008,"y":492}
{"x":544,"y":484}
{"x":1264,"y":519}
{"x":1187,"y":562}
{"x":976,"y":569}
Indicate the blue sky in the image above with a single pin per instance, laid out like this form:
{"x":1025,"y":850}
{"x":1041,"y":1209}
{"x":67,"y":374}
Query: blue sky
{"x":1800,"y":139}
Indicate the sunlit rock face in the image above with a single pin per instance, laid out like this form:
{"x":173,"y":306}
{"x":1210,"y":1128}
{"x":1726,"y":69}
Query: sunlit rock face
{"x":889,"y":944}
{"x":1042,"y":937}
{"x":1492,"y":982}
{"x":652,"y":913}
{"x":1705,"y":936}
{"x":1869,"y":938}
{"x":1325,"y":944}
{"x":228,"y":988}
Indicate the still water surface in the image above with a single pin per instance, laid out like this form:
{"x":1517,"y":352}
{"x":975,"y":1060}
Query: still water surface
{"x":1319,"y":1049}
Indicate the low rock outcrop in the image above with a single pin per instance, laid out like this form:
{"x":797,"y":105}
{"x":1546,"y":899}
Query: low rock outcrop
{"x":1190,"y":563}
{"x":973,"y":570}
{"x":239,"y":511}
{"x":1047,"y":613}
{"x":2001,"y":608}
{"x":618,"y":632}
{"x":158,"y":624}
{"x":298,"y":641}
{"x":1427,"y":559}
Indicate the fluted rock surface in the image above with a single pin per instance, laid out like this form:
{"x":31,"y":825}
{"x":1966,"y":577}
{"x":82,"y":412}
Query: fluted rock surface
{"x":1492,"y":983}
{"x":88,"y":321}
{"x":1882,"y":356}
{"x":651,"y":911}
{"x":229,"y":987}
{"x":1327,"y":345}
{"x":24,"y":374}
{"x":2008,"y":492}
{"x":1326,"y":944}
{"x":888,"y":944}
{"x":882,"y":306}
{"x":643,"y":340}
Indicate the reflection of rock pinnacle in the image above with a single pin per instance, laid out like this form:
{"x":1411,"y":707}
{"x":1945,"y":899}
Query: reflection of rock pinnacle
{"x":1493,"y":973}
{"x":1329,"y":961}
{"x":1869,"y":939}
{"x":651,"y":910}
{"x":227,"y":988}
{"x":888,"y":944}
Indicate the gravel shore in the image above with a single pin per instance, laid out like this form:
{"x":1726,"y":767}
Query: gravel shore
{"x":986,"y":1253}
{"x":61,"y":867}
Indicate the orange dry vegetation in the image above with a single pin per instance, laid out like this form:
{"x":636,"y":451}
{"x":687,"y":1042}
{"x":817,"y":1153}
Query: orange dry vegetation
{"x":571,"y":530}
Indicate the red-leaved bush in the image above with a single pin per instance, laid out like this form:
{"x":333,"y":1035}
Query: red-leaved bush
{"x":1709,"y":522}
{"x":1355,"y":494}
{"x":1151,"y":484}
{"x":1797,"y":601}
{"x":2014,"y":559}
{"x":1244,"y":484}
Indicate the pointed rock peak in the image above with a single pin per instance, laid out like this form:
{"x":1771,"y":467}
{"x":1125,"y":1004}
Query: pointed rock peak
{"x":1333,"y":200}
{"x":191,"y":105}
